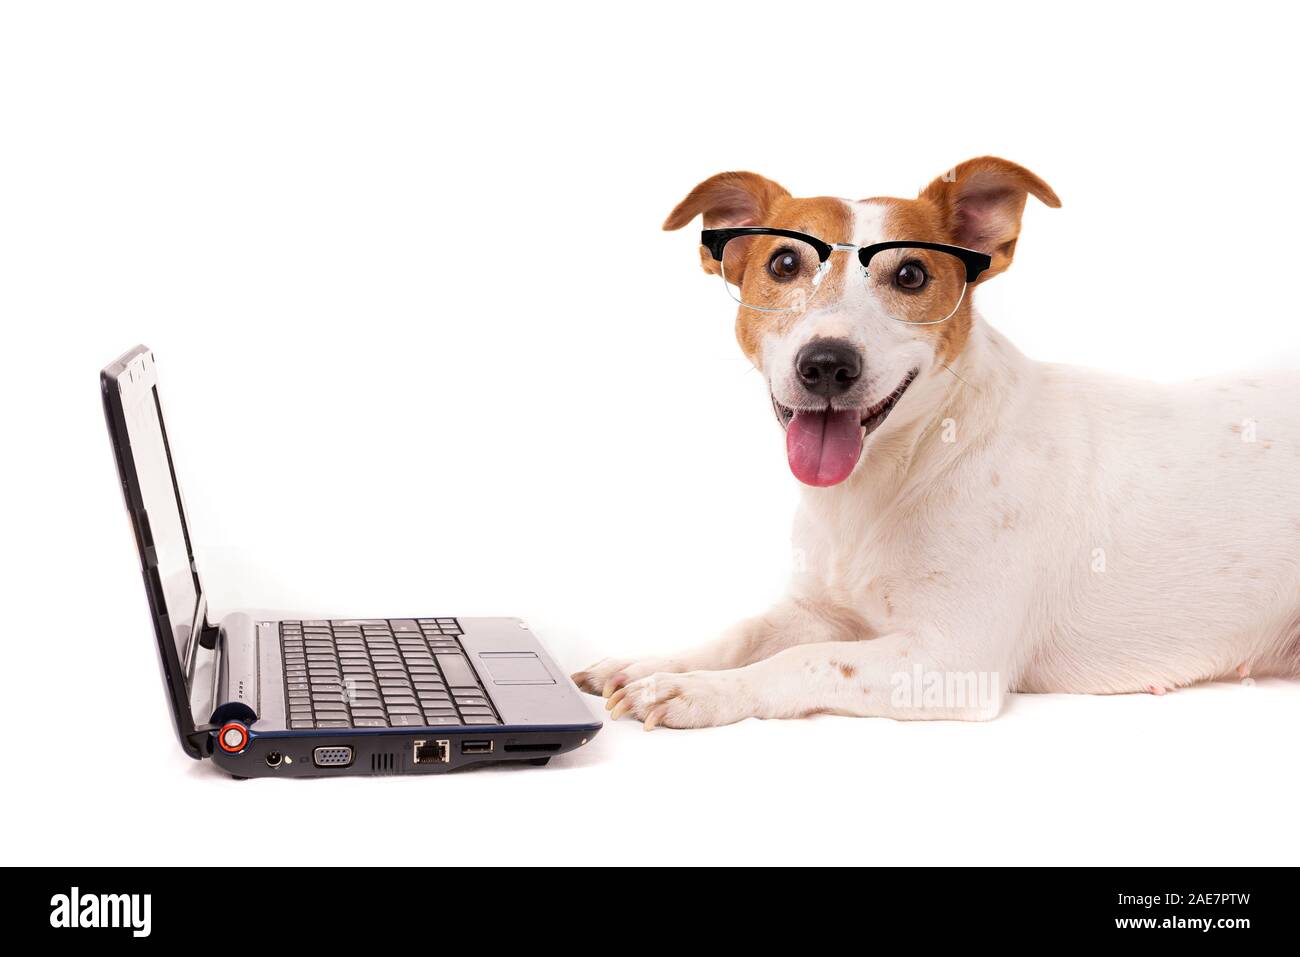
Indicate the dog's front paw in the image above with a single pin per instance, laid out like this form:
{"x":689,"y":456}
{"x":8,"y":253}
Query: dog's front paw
{"x":694,"y":699}
{"x":607,"y":676}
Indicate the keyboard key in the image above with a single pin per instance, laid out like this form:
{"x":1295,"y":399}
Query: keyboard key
{"x":407,"y":721}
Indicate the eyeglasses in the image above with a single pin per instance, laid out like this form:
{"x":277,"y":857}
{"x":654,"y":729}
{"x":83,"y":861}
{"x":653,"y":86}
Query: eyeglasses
{"x":780,"y":270}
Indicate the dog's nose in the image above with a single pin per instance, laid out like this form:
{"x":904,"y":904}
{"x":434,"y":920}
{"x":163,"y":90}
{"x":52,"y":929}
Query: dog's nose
{"x":828,"y":367}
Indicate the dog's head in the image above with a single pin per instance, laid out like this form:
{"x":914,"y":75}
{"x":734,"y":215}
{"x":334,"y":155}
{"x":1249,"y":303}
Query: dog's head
{"x":848,"y":326}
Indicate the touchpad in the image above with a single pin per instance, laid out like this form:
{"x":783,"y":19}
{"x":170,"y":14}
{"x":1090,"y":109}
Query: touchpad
{"x":515,"y":668}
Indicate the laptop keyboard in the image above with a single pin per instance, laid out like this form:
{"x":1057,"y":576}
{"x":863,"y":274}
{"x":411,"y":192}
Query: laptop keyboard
{"x":380,"y":673}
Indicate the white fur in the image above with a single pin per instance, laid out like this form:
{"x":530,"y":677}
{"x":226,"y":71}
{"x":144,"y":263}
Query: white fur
{"x":1053,"y":528}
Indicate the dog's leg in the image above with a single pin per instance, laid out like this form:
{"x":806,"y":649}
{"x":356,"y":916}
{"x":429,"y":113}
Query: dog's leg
{"x":795,"y":621}
{"x":893,"y":676}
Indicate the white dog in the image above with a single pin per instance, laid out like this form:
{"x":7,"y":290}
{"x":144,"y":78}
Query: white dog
{"x":974,"y":522}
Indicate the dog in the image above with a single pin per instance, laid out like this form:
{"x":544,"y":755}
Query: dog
{"x":975,"y":523}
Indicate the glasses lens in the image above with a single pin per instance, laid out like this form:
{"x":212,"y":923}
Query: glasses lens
{"x":917,"y":285}
{"x":771,"y":273}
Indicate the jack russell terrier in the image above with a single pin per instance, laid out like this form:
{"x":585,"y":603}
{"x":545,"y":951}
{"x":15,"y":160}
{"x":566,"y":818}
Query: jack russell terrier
{"x":973,"y":522}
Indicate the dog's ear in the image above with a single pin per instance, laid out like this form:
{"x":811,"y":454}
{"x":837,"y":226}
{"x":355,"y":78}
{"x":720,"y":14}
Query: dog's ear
{"x":982,"y":200}
{"x":727,"y":199}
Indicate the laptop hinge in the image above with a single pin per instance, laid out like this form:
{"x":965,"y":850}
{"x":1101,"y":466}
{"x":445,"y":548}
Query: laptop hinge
{"x":235,"y":679}
{"x":201,"y":737}
{"x":208,"y":635}
{"x":232,"y":692}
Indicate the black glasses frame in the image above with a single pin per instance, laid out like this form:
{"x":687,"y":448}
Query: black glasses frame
{"x":715,"y":240}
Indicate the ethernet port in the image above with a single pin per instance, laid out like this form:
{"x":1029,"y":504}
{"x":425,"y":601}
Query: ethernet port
{"x":431,"y":752}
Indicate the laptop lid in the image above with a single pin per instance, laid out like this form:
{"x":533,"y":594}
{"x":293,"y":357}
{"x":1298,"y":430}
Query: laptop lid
{"x":153,"y":501}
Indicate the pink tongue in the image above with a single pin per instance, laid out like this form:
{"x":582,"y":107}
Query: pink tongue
{"x":823,"y":446}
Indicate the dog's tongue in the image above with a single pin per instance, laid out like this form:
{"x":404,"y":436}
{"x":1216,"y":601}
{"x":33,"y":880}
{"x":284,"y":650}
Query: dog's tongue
{"x":823,"y":446}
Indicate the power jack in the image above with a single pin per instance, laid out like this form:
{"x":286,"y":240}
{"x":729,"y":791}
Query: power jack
{"x":273,"y":759}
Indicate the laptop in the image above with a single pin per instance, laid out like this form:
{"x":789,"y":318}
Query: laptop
{"x":317,"y":697}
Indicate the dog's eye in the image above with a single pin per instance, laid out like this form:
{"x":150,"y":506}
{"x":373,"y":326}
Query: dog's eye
{"x":911,"y":275}
{"x":784,"y":264}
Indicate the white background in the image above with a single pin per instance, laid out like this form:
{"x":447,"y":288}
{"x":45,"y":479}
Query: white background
{"x":425,"y":349}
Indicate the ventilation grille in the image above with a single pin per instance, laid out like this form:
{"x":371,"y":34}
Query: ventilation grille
{"x":383,"y":763}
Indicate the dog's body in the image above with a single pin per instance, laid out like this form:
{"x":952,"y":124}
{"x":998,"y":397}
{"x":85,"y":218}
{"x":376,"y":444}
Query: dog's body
{"x":1010,"y":525}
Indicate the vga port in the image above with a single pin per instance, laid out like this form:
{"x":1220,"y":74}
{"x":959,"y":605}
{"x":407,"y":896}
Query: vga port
{"x":332,"y":757}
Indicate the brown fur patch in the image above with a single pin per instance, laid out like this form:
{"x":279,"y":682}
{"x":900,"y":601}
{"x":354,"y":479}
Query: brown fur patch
{"x":747,"y":199}
{"x":978,"y":205}
{"x":828,"y":219}
{"x":727,"y":199}
{"x":982,"y":201}
{"x":925,"y":220}
{"x":848,"y":671}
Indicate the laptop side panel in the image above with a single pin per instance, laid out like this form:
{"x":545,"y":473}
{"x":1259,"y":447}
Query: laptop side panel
{"x":367,"y":751}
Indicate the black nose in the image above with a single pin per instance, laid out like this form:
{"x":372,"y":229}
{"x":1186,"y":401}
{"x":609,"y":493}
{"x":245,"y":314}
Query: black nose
{"x":828,"y":367}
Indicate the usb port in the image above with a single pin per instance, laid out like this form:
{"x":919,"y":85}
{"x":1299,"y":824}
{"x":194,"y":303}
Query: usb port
{"x":431,"y":752}
{"x":476,"y":747}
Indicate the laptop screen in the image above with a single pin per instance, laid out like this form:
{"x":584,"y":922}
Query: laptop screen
{"x":161,"y":495}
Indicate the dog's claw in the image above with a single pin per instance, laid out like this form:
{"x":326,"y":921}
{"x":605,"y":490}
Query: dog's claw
{"x":1156,"y":690}
{"x":652,"y":720}
{"x":617,"y":697}
{"x":620,"y":709}
{"x":1243,"y":670}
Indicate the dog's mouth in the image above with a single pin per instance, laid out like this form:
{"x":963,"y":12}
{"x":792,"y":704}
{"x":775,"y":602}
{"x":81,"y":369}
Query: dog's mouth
{"x":824,"y":445}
